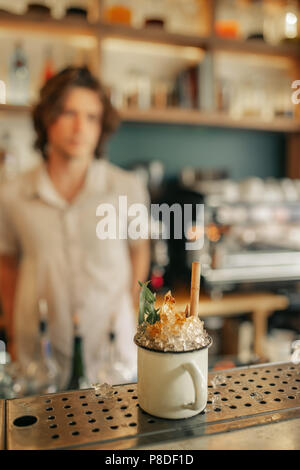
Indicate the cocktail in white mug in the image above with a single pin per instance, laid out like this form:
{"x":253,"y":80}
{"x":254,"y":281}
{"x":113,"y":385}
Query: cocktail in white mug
{"x":172,"y":385}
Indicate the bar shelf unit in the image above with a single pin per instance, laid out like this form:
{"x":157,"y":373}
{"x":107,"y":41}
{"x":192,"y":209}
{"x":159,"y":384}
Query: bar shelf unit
{"x":99,"y":31}
{"x":180,"y":116}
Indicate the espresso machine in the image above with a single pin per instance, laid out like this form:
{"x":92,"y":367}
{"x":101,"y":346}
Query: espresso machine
{"x":251,"y":234}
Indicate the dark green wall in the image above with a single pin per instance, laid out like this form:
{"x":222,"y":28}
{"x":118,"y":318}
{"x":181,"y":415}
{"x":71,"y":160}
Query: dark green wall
{"x":243,"y":153}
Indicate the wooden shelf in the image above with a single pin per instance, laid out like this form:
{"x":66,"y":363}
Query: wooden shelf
{"x":35,"y":23}
{"x":214,"y":119}
{"x":209,"y":42}
{"x":13,"y":108}
{"x":149,"y":34}
{"x":255,"y":46}
{"x":190,"y":117}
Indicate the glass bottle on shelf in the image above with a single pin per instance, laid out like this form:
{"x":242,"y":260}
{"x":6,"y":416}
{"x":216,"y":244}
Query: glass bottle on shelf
{"x":118,"y":12}
{"x":143,"y":91}
{"x":282,"y":98}
{"x":184,"y":17}
{"x":43,"y":373}
{"x":48,"y":69}
{"x":131,"y":89}
{"x":227,"y":24}
{"x":281,"y":21}
{"x":78,"y":379}
{"x":236,"y":104}
{"x":224,"y":94}
{"x":273,"y":24}
{"x":156,"y":14}
{"x":19,"y":76}
{"x":253,"y":20}
{"x":138,"y":89}
{"x":161,"y":92}
{"x":291,"y":20}
{"x":117,"y":97}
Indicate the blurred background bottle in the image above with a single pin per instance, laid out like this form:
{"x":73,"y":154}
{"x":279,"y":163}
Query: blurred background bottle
{"x":118,"y":12}
{"x":281,"y":21}
{"x":6,"y":382}
{"x":18,"y":76}
{"x":78,"y":378}
{"x":291,"y":18}
{"x":113,"y":370}
{"x":43,"y":373}
{"x":228,"y":24}
{"x":183,"y":16}
{"x":48,"y":68}
{"x":156,"y":13}
{"x":253,"y":20}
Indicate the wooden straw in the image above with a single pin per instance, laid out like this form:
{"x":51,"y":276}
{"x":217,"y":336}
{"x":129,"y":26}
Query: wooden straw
{"x":195,"y":288}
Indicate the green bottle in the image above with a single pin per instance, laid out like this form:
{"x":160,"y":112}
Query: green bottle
{"x":78,"y":379}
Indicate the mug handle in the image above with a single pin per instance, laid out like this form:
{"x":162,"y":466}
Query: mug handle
{"x":199,"y":385}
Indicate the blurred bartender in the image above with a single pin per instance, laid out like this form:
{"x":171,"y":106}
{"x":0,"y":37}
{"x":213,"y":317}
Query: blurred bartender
{"x":48,"y":243}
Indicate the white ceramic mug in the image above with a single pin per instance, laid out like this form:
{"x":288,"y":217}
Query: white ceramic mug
{"x":172,"y":385}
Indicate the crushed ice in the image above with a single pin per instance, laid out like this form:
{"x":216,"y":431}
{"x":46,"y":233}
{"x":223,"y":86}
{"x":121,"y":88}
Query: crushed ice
{"x":103,"y":390}
{"x":175,"y":331}
{"x":217,"y":380}
{"x":257,"y":396}
{"x":216,"y":399}
{"x":295,"y":358}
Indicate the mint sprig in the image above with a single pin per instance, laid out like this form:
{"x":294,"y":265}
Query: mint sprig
{"x":147,"y":310}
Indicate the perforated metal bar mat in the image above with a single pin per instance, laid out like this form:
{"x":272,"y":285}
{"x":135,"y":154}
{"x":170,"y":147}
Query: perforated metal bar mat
{"x":237,"y":398}
{"x":2,"y":423}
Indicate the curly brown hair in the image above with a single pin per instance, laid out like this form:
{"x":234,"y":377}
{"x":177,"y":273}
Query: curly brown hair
{"x":50,"y":106}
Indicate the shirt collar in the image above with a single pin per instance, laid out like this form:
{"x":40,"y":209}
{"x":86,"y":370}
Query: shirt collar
{"x":43,"y":188}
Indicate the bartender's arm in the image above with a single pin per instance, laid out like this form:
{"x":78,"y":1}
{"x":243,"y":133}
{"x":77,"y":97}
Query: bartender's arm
{"x":140,"y":263}
{"x":9,"y":268}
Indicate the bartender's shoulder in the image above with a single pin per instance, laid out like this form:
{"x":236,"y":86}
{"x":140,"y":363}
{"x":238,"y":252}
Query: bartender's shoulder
{"x":13,"y":188}
{"x":125,"y":179}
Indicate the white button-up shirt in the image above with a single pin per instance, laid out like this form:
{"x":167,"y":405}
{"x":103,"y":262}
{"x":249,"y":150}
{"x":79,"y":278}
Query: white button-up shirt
{"x":63,"y":260}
